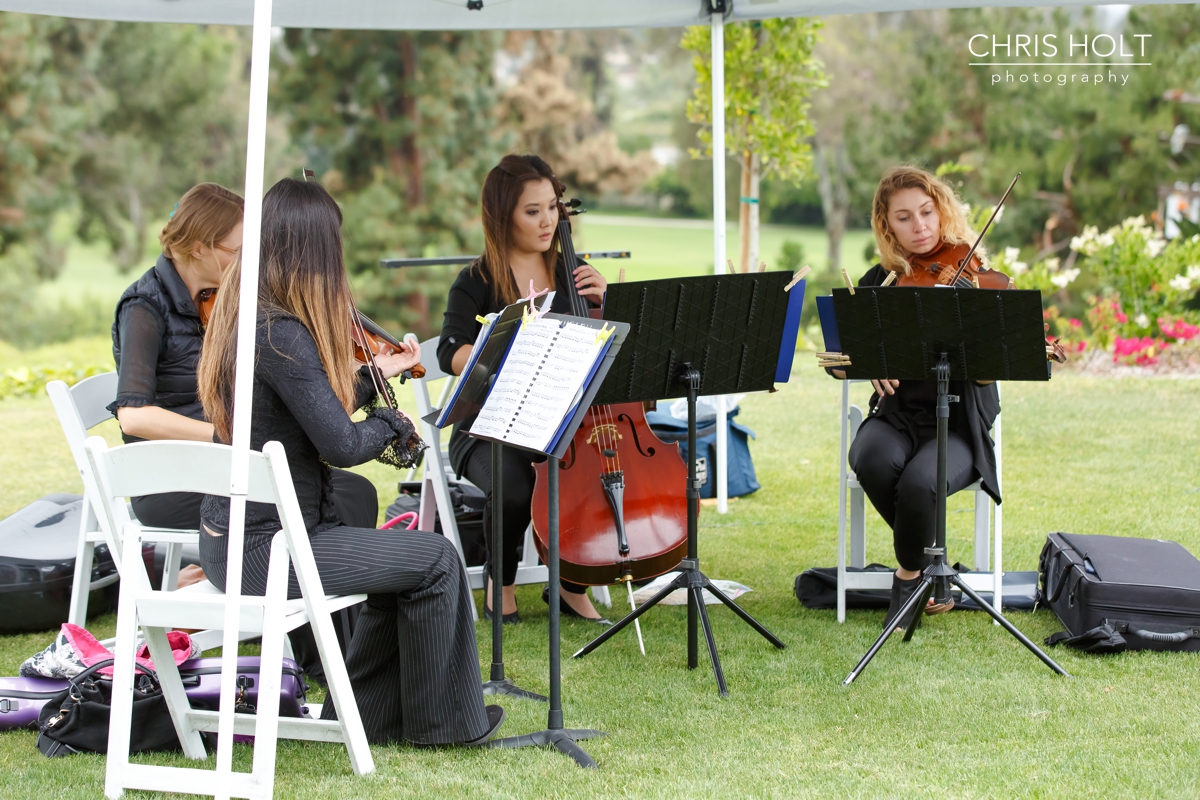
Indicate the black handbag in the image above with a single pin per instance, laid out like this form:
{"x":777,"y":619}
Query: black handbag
{"x":76,"y":719}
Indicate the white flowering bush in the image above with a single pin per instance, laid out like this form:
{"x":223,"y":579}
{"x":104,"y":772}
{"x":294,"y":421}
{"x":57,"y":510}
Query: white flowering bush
{"x":1153,"y":278}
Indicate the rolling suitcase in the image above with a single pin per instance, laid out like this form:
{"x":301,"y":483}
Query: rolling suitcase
{"x":1115,"y":593}
{"x":21,"y":699}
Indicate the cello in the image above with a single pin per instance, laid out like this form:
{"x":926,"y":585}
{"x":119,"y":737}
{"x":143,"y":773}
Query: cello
{"x":622,"y":509}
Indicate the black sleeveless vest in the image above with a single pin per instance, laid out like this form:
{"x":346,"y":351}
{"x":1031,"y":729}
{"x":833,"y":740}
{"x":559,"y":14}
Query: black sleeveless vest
{"x":179,"y":355}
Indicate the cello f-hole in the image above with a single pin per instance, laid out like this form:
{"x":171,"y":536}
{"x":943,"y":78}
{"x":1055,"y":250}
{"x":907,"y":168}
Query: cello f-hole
{"x":637,"y":442}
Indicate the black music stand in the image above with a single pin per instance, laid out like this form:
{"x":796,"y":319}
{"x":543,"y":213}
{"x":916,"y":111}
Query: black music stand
{"x":909,"y":333}
{"x":715,"y":334}
{"x":554,"y":735}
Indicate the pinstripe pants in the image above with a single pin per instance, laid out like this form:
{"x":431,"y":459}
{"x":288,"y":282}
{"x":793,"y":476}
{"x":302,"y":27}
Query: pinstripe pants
{"x":412,"y":660}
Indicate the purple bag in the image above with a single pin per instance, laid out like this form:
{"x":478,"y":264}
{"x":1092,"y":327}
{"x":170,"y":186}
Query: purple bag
{"x":202,"y":681}
{"x":21,"y":699}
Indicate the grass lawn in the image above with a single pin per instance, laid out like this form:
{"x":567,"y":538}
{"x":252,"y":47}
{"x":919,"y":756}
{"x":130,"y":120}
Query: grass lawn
{"x":962,"y":711}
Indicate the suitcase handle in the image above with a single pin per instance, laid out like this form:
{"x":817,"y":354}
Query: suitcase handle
{"x":1175,"y":638}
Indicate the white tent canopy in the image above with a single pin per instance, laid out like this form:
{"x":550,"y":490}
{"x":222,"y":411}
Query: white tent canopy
{"x":494,"y":14}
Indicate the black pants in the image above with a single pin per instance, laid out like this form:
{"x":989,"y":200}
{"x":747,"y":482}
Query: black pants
{"x":899,"y":475}
{"x":518,"y":494}
{"x":412,"y":660}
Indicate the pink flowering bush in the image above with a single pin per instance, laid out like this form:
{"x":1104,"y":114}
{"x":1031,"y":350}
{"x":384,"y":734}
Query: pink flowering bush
{"x":1180,"y":329}
{"x":1143,"y":352}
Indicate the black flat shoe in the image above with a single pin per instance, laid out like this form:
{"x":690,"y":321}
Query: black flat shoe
{"x":567,"y":611}
{"x":495,"y":715}
{"x":901,"y":591}
{"x":508,"y":619}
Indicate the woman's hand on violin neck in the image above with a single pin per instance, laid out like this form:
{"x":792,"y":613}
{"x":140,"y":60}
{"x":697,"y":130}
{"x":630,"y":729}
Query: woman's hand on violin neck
{"x":589,"y":282}
{"x":885,"y":386}
{"x":393,"y":363}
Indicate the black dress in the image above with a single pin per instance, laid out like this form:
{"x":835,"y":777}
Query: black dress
{"x":472,"y":295}
{"x":894,"y":454}
{"x":412,"y":659}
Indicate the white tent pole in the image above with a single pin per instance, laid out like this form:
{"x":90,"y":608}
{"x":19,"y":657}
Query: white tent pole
{"x":718,"y":144}
{"x":243,"y":387}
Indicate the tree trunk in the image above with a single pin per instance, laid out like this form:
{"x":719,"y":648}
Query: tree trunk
{"x":744,"y":216}
{"x":833,"y":167}
{"x":755,"y":178}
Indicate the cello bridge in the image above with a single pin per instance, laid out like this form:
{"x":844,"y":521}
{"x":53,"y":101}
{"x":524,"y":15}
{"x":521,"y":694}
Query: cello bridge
{"x":607,"y":430}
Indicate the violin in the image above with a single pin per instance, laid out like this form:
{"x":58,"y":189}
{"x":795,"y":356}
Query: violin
{"x":622,"y":509}
{"x":953,"y":265}
{"x":369,"y":338}
{"x":956,"y":264}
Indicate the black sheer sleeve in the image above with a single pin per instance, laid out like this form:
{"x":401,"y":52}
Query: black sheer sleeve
{"x":140,"y":331}
{"x":468,"y":299}
{"x":288,"y":362}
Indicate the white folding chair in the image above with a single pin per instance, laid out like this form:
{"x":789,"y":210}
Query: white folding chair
{"x":80,"y":408}
{"x":435,"y":484}
{"x":988,"y":577}
{"x":152,"y":468}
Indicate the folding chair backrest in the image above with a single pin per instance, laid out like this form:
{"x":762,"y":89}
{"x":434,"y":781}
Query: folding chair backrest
{"x":80,"y":408}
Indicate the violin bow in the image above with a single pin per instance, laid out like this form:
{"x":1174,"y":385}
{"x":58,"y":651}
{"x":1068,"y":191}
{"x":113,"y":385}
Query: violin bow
{"x":962,"y":266}
{"x":377,"y":379}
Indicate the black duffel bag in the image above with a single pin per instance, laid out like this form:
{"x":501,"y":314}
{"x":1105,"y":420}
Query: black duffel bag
{"x":1117,"y":593}
{"x":76,"y":720}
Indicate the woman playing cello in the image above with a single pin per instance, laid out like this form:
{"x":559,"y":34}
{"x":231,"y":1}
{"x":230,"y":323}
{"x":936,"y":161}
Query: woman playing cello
{"x":894,"y":455}
{"x":520,"y":217}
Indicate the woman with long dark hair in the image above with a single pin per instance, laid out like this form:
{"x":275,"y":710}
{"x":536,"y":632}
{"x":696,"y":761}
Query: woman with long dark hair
{"x":520,"y":220}
{"x":412,"y":658}
{"x":894,"y":454}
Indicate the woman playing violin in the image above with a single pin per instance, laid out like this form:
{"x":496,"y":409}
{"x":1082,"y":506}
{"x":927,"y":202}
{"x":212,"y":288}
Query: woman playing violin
{"x":157,"y":337}
{"x":412,"y":658}
{"x":894,"y":454}
{"x":520,"y":216}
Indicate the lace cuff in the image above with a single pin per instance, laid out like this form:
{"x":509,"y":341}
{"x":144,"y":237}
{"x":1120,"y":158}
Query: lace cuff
{"x":406,"y":446}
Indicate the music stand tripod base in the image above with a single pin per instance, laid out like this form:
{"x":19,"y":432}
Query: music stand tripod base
{"x":690,"y":577}
{"x":939,"y":575}
{"x":499,"y":684}
{"x":554,"y":735}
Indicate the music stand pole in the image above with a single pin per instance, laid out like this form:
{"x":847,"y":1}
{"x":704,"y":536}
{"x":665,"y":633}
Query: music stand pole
{"x":939,"y":575}
{"x":690,"y":577}
{"x":555,"y":735}
{"x":498,"y":684}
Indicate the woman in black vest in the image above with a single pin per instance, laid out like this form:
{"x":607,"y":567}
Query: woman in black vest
{"x":520,"y":218}
{"x":157,"y":338}
{"x":412,"y":659}
{"x":894,"y":454}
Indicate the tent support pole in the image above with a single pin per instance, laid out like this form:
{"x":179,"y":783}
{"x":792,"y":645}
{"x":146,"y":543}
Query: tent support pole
{"x":243,"y":386}
{"x":718,"y":146}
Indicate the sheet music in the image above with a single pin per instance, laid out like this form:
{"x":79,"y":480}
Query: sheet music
{"x":541,"y":381}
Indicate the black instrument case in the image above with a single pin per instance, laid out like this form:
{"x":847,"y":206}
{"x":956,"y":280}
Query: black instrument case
{"x":1146,"y":590}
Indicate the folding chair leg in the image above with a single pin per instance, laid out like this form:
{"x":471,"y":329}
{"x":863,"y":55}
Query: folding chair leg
{"x":170,"y":577}
{"x":81,"y":586}
{"x":266,"y":726}
{"x":173,"y":692}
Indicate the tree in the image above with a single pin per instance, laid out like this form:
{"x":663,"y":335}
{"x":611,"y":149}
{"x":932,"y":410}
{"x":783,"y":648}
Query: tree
{"x":770,"y":73}
{"x":401,"y":127}
{"x":173,"y":114}
{"x":559,"y":123}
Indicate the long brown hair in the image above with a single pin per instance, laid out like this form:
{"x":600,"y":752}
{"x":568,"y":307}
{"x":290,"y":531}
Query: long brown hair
{"x":955,"y":229}
{"x":301,"y":274}
{"x":501,"y":193}
{"x":205,"y":215}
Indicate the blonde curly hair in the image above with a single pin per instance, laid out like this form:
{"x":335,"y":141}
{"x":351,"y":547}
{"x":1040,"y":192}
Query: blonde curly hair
{"x":955,"y":229}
